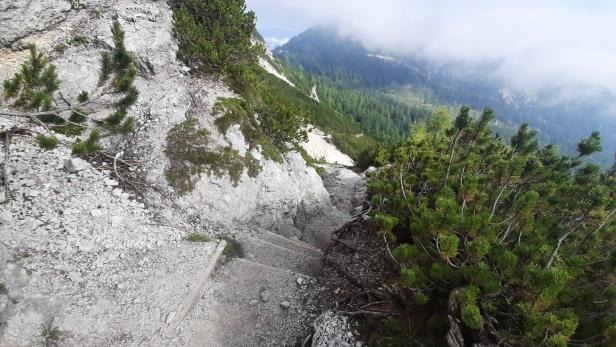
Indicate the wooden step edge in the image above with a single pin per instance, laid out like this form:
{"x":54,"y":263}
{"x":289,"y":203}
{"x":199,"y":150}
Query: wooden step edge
{"x":195,"y":292}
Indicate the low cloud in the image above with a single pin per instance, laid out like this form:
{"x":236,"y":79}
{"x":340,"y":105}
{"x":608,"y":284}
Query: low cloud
{"x":566,"y":47}
{"x":273,"y":42}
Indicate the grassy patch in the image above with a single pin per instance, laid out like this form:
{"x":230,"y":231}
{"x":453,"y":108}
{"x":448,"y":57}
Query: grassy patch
{"x":188,"y":157}
{"x":233,"y":249}
{"x":311,"y":161}
{"x":51,"y":335}
{"x":68,"y":130}
{"x":90,"y":145}
{"x":270,"y":151}
{"x":59,"y":48}
{"x":253,"y":165}
{"x":79,"y":40}
{"x":236,"y":111}
{"x":47,"y":142}
{"x":197,"y":237}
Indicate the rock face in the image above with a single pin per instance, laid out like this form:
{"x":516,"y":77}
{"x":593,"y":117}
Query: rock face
{"x":33,"y":17}
{"x":347,"y":189}
{"x":81,"y":253}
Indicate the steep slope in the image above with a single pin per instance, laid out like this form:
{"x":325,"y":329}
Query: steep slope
{"x":318,"y":145}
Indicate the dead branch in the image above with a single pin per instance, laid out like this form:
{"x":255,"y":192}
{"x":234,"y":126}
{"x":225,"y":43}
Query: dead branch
{"x":5,"y":166}
{"x":367,"y":313}
{"x":115,"y":166}
{"x":389,"y":251}
{"x":345,"y":244}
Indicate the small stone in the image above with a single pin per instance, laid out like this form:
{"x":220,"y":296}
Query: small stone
{"x":253,"y":302}
{"x":170,"y":317}
{"x":111,"y":183}
{"x":337,"y":291}
{"x":33,"y":193}
{"x":87,"y":246}
{"x":74,"y":165}
{"x":5,"y":217}
{"x":300,"y":281}
{"x":76,"y":184}
{"x":285,"y":304}
{"x":96,"y":213}
{"x":124,"y":196}
{"x":28,"y":183}
{"x":75,"y":277}
{"x":117,"y":192}
{"x":116,"y":221}
{"x":265,"y":295}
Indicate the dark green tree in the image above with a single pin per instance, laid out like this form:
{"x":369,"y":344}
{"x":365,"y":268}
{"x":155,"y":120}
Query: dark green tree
{"x":590,"y":145}
{"x":215,"y":36}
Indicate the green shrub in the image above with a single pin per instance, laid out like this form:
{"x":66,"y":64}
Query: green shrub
{"x":33,"y":87}
{"x":47,"y":142}
{"x":233,"y":249}
{"x":83,"y":96}
{"x":68,"y":130}
{"x":59,"y":47}
{"x":79,"y":40}
{"x":51,"y":335}
{"x":90,"y":146}
{"x":197,"y":237}
{"x":522,"y":230}
{"x":188,"y":156}
{"x":471,"y":316}
{"x":215,"y":36}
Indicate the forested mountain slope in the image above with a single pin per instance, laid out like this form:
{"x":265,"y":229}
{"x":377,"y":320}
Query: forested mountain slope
{"x":328,"y":60}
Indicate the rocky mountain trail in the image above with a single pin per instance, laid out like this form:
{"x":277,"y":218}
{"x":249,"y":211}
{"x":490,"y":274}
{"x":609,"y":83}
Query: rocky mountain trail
{"x":95,"y":253}
{"x":276,"y":294}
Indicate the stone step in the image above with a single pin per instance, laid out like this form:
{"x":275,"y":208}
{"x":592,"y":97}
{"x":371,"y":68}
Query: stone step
{"x":255,"y":305}
{"x":267,"y":253}
{"x":295,"y":245}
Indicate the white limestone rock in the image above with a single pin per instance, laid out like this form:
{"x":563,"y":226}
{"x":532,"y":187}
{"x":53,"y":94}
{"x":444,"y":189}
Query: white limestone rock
{"x":74,"y":165}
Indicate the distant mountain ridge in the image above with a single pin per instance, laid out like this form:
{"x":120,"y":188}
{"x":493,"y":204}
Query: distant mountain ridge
{"x":320,"y":52}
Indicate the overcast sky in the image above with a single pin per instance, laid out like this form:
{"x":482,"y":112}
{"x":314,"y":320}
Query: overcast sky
{"x":567,"y":45}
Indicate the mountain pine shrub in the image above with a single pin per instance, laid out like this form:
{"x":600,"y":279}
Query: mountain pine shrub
{"x":30,"y":93}
{"x":215,"y":37}
{"x":526,"y":237}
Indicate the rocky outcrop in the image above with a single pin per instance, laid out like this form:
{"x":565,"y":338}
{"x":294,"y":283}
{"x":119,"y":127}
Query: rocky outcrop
{"x":108,"y":264}
{"x":347,"y":188}
{"x":22,"y":18}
